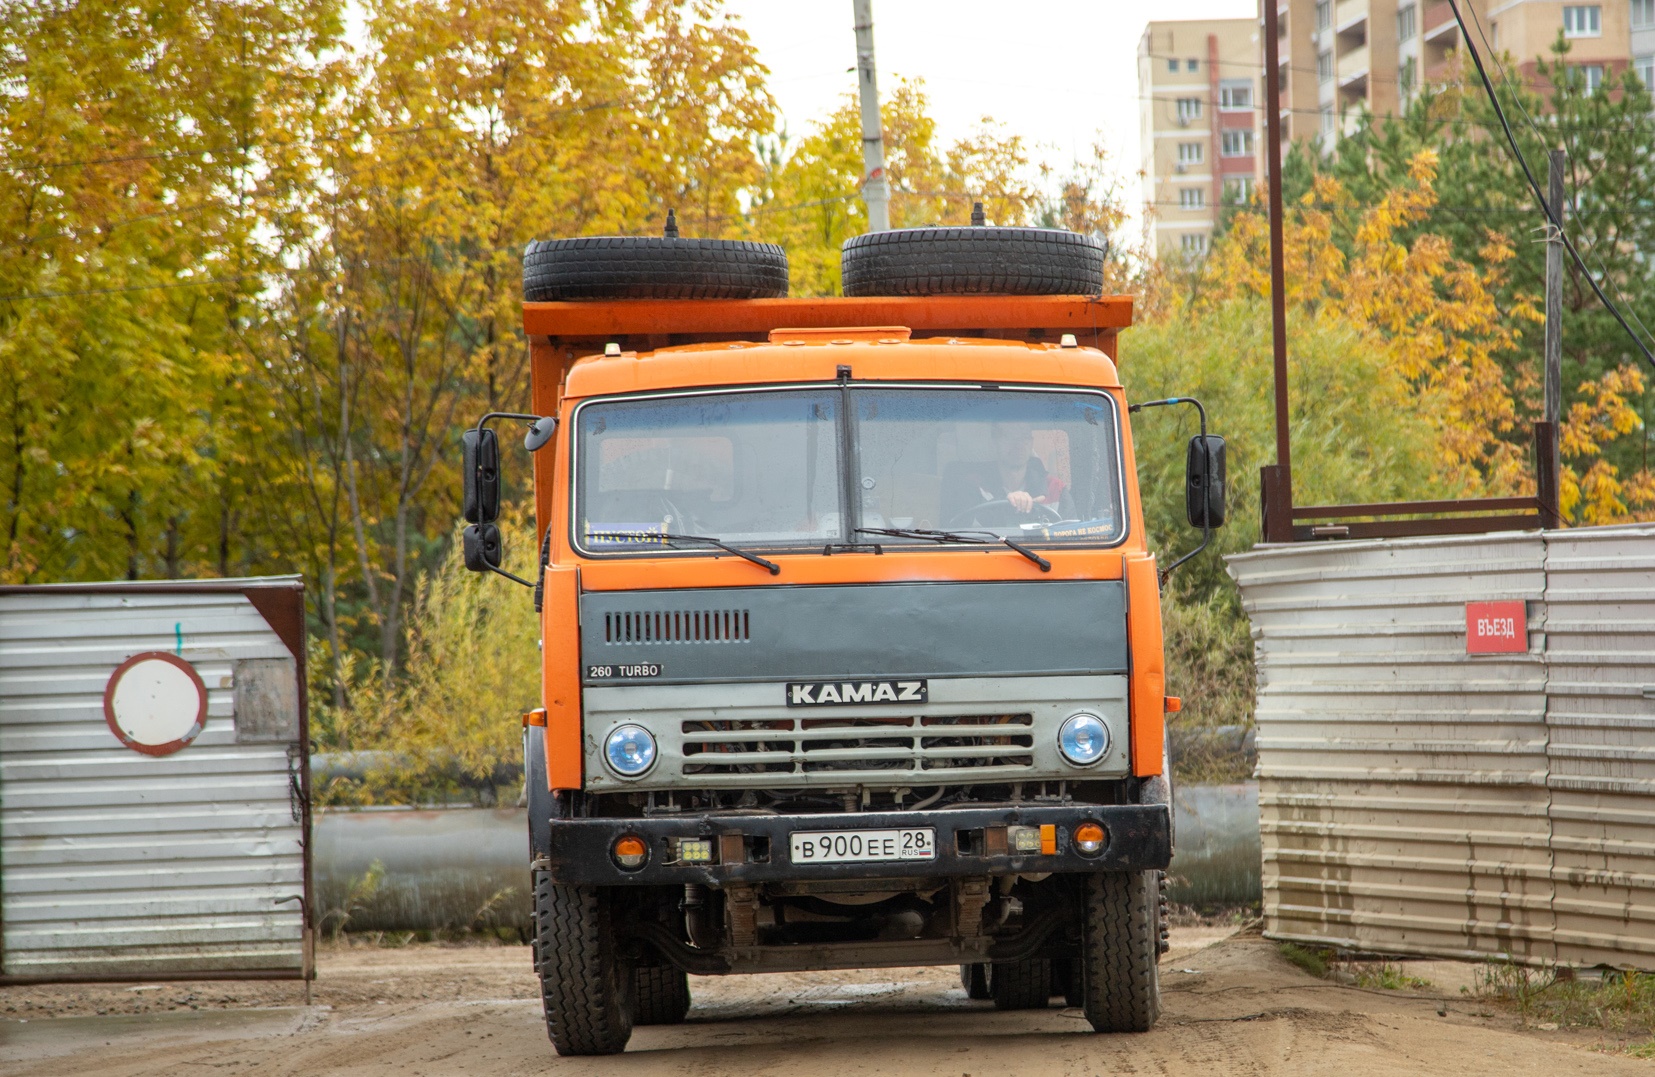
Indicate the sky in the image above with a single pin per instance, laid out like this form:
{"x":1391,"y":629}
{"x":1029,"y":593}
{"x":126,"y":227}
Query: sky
{"x":1061,"y":73}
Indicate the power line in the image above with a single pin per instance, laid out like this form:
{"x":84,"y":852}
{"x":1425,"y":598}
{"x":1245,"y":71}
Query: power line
{"x":1534,"y":185}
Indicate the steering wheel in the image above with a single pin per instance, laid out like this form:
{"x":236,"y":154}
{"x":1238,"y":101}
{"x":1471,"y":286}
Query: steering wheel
{"x":1051,"y":515}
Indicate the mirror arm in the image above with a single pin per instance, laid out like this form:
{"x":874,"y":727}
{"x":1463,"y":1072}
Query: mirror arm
{"x":510,"y":576}
{"x":506,"y":415}
{"x":1206,"y":528}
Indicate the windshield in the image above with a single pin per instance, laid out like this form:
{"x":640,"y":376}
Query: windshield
{"x":770,"y":468}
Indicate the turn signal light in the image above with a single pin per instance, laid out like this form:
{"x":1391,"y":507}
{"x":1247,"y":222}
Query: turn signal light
{"x":630,"y":852}
{"x":1089,"y":838}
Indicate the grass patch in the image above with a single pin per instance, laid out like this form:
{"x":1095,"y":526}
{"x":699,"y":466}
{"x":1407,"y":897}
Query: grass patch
{"x":1388,"y":977}
{"x":1313,"y":961}
{"x":1621,"y":1004}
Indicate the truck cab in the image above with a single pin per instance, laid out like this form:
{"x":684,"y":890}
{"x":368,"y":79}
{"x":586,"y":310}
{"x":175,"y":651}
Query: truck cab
{"x":852,"y":653}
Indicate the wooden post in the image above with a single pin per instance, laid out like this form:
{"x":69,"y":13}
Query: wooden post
{"x":1546,"y":463}
{"x":1277,"y":492}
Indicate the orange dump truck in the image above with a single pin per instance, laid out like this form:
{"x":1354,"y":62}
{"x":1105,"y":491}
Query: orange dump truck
{"x":851,"y":632}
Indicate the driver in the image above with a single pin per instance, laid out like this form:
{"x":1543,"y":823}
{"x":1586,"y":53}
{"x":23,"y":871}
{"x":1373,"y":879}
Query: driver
{"x":1015,"y":475}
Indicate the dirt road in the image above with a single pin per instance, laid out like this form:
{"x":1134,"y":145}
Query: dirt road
{"x":1232,"y":1006}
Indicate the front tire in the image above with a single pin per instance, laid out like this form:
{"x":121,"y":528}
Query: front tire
{"x":583,"y":986}
{"x":1120,"y":951}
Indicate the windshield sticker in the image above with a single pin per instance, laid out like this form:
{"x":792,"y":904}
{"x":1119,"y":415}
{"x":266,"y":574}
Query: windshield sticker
{"x":625,"y":534}
{"x":1075,"y":529}
{"x":847,"y":693}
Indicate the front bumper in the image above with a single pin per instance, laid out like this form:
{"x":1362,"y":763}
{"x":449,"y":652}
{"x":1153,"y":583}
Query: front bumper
{"x":755,"y":848}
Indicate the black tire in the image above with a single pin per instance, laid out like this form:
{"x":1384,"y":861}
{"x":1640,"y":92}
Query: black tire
{"x":1021,"y":985}
{"x":660,"y":995}
{"x":583,"y":986}
{"x":974,"y":978}
{"x":1120,"y":950}
{"x":972,"y":261}
{"x":1066,"y":982}
{"x":651,"y":267}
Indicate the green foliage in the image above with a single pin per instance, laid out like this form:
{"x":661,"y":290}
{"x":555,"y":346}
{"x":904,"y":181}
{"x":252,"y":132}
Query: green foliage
{"x":450,"y":724}
{"x":1481,"y":189}
{"x":1357,"y":436}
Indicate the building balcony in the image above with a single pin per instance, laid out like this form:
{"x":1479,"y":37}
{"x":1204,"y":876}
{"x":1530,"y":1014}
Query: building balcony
{"x":1353,"y":68}
{"x":1351,"y":18}
{"x":1439,"y":26}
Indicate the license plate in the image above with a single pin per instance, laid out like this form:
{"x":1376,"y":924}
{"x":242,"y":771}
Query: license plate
{"x":863,"y":846}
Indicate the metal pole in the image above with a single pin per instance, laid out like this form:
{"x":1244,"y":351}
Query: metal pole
{"x":1277,"y":481}
{"x":874,"y":191}
{"x":1546,"y":431}
{"x":1554,"y":291}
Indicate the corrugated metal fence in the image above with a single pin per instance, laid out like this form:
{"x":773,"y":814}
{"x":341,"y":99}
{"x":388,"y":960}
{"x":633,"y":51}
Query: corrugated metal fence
{"x":1418,"y":799}
{"x":123,"y":863}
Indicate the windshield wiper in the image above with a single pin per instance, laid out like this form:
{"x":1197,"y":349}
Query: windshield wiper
{"x":775,"y":569}
{"x":963,"y":537}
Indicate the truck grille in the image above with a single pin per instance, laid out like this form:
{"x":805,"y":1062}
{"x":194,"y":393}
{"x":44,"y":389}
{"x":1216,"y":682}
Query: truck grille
{"x":677,"y":626}
{"x":954,"y":747}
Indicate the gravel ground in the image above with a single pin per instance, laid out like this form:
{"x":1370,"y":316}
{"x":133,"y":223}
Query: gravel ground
{"x":1232,"y":1005}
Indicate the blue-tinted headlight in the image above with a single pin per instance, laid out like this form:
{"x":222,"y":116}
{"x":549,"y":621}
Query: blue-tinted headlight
{"x":1083,"y":740}
{"x":630,"y":750}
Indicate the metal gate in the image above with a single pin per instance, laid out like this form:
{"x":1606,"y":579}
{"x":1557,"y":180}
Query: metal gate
{"x":1416,"y":798}
{"x":154,"y":798}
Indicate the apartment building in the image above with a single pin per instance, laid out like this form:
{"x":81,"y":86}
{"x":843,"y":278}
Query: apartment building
{"x":1341,"y":56}
{"x":1199,"y":108}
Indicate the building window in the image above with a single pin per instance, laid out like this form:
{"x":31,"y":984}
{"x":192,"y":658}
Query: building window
{"x":1407,"y":75}
{"x":1189,"y":108}
{"x":1191,"y":65}
{"x":1589,"y":76}
{"x":1172,"y":66}
{"x":1189,"y":153}
{"x":1237,"y":144}
{"x":1327,"y":121}
{"x":1405,"y":22}
{"x":1324,"y":14}
{"x":1643,"y":14}
{"x":1644,"y":66}
{"x":1239,"y":190}
{"x":1235,"y":96}
{"x":1582,"y":20}
{"x":1191,"y":198}
{"x":1194,"y":243}
{"x":1324,"y":67}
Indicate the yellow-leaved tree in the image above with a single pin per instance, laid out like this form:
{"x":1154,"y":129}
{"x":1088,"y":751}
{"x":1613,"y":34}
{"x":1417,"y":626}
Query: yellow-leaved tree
{"x":1436,"y":320}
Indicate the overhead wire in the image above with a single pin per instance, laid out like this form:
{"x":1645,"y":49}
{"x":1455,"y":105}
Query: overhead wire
{"x":1534,"y":185}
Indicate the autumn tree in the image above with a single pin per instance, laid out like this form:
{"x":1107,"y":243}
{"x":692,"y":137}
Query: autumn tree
{"x":1481,"y":190}
{"x":135,"y":141}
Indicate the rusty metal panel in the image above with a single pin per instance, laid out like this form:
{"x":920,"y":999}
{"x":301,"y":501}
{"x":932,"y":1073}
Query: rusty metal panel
{"x":1403,"y":794}
{"x":1601,"y":719}
{"x":117,"y":864}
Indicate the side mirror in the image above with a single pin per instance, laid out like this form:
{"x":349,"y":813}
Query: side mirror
{"x":480,"y":475}
{"x":540,"y":432}
{"x":1204,"y":481}
{"x":482,"y":547}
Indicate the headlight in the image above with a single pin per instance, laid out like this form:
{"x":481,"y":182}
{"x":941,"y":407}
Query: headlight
{"x":630,"y":750}
{"x":1083,"y":740}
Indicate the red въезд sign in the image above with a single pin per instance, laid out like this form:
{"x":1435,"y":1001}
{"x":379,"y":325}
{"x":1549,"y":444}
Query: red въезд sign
{"x":1496,"y":627}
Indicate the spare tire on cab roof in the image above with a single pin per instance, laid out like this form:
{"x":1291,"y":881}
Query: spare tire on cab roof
{"x":972,"y":261}
{"x":652,"y":267}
